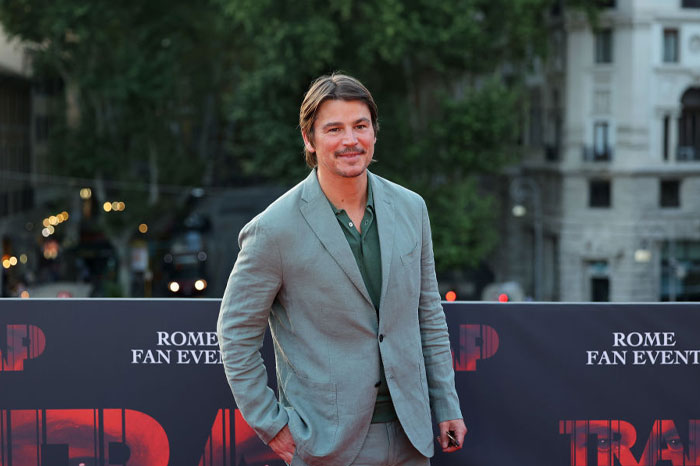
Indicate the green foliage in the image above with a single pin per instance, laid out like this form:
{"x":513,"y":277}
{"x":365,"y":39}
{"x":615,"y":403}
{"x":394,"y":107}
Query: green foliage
{"x":142,"y":95}
{"x":147,"y":79}
{"x":437,"y":71}
{"x":137,"y":74}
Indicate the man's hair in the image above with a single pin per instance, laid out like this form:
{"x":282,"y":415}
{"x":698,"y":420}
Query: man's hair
{"x":332,"y":87}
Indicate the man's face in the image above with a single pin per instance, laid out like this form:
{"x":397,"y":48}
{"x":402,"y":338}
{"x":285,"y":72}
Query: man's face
{"x":343,"y":138}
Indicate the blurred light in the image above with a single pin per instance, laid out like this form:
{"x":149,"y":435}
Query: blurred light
{"x":519,"y":211}
{"x":174,"y":287}
{"x":46,"y":222}
{"x":64,"y":294}
{"x":29,"y":226}
{"x":45,"y":233}
{"x":202,"y":256}
{"x":143,"y":228}
{"x":197,"y":192}
{"x":53,"y":220}
{"x":642,"y":255}
{"x":107,"y":206}
{"x":64,"y":215}
{"x":13,"y":260}
{"x":23,"y":258}
{"x":451,"y":296}
{"x":24,"y":294}
{"x":51,"y":229}
{"x":502,"y":298}
{"x":200,"y":284}
{"x":6,"y":263}
{"x":5,"y":256}
{"x":121,"y":206}
{"x":51,"y":249}
{"x":168,"y":258}
{"x":85,"y":193}
{"x":115,"y":206}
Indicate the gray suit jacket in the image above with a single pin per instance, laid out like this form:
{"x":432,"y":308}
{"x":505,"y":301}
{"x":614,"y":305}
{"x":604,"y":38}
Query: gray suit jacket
{"x":296,"y":272}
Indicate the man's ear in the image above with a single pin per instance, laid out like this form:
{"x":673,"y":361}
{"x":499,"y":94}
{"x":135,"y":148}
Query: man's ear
{"x":307,"y":142}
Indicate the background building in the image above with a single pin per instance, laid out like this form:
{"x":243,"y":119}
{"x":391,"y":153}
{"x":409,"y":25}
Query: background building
{"x":16,"y":158}
{"x":611,"y":178}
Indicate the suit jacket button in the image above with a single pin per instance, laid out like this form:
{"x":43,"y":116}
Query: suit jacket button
{"x":381,"y":338}
{"x":378,"y":383}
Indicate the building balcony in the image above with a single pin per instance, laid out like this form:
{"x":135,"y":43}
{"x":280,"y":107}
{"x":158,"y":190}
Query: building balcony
{"x":597,"y":154}
{"x":687,"y":154}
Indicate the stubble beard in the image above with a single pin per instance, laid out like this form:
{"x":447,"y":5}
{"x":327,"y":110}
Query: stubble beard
{"x":352,"y":174}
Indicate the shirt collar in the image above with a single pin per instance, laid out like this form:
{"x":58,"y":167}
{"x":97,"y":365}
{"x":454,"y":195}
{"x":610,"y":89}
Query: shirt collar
{"x":370,"y":200}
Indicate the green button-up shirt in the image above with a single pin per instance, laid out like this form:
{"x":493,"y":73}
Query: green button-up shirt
{"x":365,"y":247}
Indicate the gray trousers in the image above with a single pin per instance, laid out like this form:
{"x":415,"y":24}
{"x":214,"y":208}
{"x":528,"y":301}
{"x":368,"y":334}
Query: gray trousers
{"x":386,"y":444}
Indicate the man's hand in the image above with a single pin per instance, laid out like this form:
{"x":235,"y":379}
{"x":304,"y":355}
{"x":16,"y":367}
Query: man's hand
{"x":283,"y":444}
{"x":457,"y":429}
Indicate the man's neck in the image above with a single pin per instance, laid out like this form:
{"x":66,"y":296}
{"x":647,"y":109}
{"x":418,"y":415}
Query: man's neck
{"x":345,"y":193}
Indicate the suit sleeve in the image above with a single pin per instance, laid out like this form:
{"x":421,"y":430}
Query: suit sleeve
{"x":252,"y":287}
{"x":434,"y":335}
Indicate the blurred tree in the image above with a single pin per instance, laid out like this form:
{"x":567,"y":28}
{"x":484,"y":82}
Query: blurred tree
{"x":143,"y":84}
{"x":446,"y":76}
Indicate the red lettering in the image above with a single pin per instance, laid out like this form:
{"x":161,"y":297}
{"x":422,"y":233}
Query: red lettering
{"x":19,"y":343}
{"x":60,"y":436}
{"x":615,"y":439}
{"x":476,"y":342}
{"x":249,"y":449}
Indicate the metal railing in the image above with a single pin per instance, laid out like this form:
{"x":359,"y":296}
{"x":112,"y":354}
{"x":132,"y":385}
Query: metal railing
{"x":687,"y":154}
{"x":596,"y":154}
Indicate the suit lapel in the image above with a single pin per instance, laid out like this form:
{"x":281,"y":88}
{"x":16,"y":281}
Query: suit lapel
{"x":319,"y":215}
{"x":386,"y":226}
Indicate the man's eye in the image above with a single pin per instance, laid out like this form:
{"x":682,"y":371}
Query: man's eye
{"x":674,"y":443}
{"x":603,"y":444}
{"x":361,"y":126}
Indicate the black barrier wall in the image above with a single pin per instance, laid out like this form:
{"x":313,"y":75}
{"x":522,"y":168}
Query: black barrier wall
{"x":140,"y":382}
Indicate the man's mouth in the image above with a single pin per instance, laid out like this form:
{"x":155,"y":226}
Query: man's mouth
{"x":349,"y":152}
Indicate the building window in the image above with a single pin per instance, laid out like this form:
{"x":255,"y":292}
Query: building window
{"x":600,"y":140}
{"x":601,"y":150}
{"x":680,"y":271}
{"x":603,"y":46}
{"x":599,"y":276}
{"x":689,"y":126}
{"x":599,"y":194}
{"x":669,"y":193}
{"x":691,"y":4}
{"x":535,"y":129}
{"x":670,"y":46}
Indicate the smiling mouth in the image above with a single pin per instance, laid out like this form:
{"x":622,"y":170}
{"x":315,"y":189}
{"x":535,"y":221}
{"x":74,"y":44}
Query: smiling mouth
{"x":349,"y":152}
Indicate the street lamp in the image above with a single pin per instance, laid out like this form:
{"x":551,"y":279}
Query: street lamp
{"x":676,"y":271}
{"x":521,"y":189}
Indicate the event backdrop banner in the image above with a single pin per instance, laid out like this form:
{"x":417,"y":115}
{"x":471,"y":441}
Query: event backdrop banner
{"x":140,"y":383}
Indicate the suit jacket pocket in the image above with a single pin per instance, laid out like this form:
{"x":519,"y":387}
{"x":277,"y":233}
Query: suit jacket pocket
{"x":411,"y":256}
{"x":315,"y":406}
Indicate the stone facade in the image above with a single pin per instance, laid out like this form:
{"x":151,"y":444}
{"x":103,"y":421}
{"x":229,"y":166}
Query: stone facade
{"x":606,"y":110}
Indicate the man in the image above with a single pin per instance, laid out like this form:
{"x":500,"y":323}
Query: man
{"x":341,"y":266}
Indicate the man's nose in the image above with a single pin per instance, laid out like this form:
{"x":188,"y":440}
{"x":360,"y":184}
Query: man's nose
{"x":350,"y":138}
